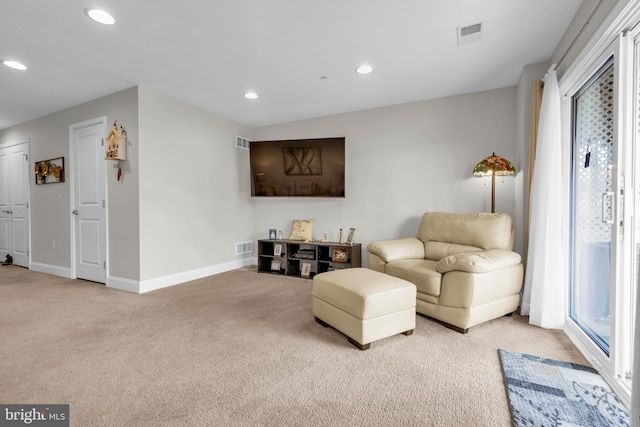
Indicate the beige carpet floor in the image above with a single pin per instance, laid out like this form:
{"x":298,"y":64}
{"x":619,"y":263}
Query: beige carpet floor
{"x":243,"y":349}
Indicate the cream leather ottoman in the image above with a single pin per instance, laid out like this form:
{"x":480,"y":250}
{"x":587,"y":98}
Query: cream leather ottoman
{"x":363,"y":304}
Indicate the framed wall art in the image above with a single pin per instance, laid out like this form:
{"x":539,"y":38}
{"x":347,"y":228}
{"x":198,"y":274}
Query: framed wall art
{"x":49,"y":171}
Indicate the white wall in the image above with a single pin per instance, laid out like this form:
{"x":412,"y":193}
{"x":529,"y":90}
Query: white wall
{"x":50,"y":204}
{"x":402,"y":161}
{"x":194,"y":190}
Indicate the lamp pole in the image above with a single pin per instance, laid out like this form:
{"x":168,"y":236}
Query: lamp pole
{"x":493,"y":192}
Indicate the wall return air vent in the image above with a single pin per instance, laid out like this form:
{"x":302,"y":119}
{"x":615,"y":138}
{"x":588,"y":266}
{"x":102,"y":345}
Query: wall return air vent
{"x":470,"y":33}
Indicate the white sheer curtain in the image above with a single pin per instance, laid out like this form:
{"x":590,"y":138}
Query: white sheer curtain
{"x":544,"y":297}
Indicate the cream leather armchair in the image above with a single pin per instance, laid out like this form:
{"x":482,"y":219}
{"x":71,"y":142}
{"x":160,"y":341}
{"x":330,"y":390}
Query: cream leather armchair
{"x":462,"y":265}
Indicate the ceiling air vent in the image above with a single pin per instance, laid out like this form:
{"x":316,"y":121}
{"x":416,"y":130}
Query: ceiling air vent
{"x":470,"y":33}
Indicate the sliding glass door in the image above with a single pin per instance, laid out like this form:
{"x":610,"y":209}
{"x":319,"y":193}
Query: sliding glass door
{"x":603,"y":105}
{"x":593,"y":206}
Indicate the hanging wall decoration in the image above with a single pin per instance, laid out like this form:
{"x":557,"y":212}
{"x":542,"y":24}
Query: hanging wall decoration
{"x":49,"y":171}
{"x":116,"y":142}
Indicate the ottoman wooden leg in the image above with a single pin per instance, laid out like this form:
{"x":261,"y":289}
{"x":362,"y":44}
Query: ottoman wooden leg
{"x":409,"y":332}
{"x":360,"y":346}
{"x":325,"y":324}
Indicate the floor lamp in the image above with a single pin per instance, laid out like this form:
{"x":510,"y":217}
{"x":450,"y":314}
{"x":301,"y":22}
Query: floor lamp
{"x":492,"y":166}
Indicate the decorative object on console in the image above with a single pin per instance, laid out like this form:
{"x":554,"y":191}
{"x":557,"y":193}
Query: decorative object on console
{"x":49,"y":171}
{"x":277,"y":250}
{"x":275,"y":265}
{"x":302,"y":229}
{"x":352,"y":232}
{"x":341,"y":237}
{"x":302,"y":161}
{"x":340,"y":255}
{"x":492,"y":166}
{"x":272,"y":233}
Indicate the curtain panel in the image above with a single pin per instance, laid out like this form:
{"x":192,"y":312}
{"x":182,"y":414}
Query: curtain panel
{"x":543,"y":297}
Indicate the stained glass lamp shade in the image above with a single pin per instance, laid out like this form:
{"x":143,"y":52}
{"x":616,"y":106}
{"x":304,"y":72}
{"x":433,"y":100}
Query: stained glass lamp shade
{"x":492,"y":166}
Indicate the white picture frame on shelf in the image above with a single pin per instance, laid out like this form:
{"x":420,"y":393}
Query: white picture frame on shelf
{"x":305,"y":271}
{"x":277,"y":249}
{"x":350,"y":237}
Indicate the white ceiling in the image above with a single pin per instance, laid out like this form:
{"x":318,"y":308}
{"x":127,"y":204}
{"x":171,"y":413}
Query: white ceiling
{"x":209,"y":52}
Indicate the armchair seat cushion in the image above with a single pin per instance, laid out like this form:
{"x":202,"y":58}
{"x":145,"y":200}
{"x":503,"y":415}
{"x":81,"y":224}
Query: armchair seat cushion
{"x":420,"y":272}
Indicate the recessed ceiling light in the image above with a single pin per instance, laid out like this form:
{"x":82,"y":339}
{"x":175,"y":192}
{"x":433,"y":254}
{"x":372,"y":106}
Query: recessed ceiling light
{"x":364,"y":69}
{"x":100,"y":16}
{"x":251,"y":95}
{"x":15,"y":65}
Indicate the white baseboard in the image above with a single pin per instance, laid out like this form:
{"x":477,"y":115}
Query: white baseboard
{"x":144,"y":286}
{"x":123,"y":284}
{"x":51,"y":269}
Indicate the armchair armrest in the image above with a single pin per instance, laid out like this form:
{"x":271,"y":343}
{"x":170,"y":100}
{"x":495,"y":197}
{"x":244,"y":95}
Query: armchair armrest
{"x":391,"y":250}
{"x":479,"y":262}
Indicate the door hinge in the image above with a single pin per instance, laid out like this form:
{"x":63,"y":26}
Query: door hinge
{"x":103,"y":142}
{"x":104,"y":265}
{"x":103,"y":204}
{"x":26,"y":157}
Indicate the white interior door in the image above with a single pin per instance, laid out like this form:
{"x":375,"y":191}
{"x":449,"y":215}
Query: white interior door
{"x":14,"y":203}
{"x":88,"y":210}
{"x":5,"y":232}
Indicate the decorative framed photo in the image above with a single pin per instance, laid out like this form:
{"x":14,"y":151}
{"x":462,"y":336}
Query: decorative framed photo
{"x":275,"y":265}
{"x":340,"y":255}
{"x":272,"y":233}
{"x":277,"y":249}
{"x":306,"y":269}
{"x":352,"y":232}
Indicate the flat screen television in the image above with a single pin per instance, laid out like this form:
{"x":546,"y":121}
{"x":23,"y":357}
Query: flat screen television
{"x":298,"y":168}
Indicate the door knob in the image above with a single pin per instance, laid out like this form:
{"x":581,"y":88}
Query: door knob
{"x":75,"y":211}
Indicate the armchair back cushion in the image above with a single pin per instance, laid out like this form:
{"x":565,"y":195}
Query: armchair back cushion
{"x":445,"y":234}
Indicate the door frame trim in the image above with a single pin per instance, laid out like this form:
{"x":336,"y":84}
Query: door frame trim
{"x":102,"y":120}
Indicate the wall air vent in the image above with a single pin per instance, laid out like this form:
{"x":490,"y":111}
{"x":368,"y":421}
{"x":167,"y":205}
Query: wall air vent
{"x":244,"y":247}
{"x":242,"y":142}
{"x":470,"y":33}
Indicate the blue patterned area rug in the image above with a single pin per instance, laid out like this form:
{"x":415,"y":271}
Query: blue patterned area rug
{"x":545,"y":392}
